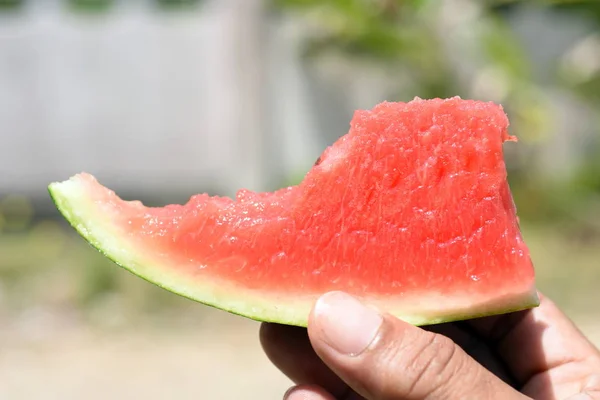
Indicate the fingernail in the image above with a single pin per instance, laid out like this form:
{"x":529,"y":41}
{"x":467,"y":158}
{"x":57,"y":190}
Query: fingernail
{"x":286,"y":395}
{"x":346,"y":325}
{"x":305,"y":392}
{"x":290,"y":392}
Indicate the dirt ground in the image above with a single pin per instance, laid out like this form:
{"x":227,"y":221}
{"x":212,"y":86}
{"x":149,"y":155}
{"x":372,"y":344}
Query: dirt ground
{"x":56,"y":360}
{"x":133,"y":340}
{"x":147,"y":363}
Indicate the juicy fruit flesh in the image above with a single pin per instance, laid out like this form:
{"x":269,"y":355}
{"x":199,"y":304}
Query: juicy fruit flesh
{"x":384,"y":212}
{"x":411,"y":206}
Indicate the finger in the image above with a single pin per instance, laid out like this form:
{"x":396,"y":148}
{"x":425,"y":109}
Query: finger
{"x":474,"y":346}
{"x":586,"y":396}
{"x":541,"y":342}
{"x":307,"y":392}
{"x":289,"y":349}
{"x":590,"y":390}
{"x":383,"y":358}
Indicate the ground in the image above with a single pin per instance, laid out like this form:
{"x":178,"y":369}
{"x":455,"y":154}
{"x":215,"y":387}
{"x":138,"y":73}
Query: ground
{"x":73,"y":363}
{"x":74,"y":326}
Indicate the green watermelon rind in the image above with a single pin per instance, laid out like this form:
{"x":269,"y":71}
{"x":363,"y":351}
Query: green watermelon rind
{"x":78,"y":208}
{"x":65,"y":196}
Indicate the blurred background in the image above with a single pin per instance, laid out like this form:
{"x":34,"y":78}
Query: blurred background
{"x":164,"y":99}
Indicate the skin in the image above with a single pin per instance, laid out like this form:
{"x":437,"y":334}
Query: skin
{"x":350,"y":351}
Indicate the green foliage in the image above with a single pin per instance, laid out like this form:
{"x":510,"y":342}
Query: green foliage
{"x":389,"y":32}
{"x":178,"y":5}
{"x":361,"y":28}
{"x":101,"y":6}
{"x":10,"y":5}
{"x":93,"y":6}
{"x":406,"y":36}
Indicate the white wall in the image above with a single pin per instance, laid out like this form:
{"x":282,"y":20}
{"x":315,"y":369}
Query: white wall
{"x":215,"y":99}
{"x":147,"y":101}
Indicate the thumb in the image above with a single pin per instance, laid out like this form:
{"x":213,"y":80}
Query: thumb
{"x":383,"y":358}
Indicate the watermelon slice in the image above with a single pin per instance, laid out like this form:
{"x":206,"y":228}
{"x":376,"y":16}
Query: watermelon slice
{"x":410,"y":211}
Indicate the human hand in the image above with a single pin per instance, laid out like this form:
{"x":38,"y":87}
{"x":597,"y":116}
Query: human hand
{"x":351,"y":352}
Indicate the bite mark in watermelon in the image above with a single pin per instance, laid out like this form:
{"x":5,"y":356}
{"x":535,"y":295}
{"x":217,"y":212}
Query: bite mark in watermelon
{"x":410,"y":211}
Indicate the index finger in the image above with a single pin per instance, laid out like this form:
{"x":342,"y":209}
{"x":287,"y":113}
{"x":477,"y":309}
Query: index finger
{"x":289,"y":349}
{"x":537,"y":340}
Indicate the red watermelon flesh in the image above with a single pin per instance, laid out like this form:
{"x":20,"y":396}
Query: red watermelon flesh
{"x":411,"y":211}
